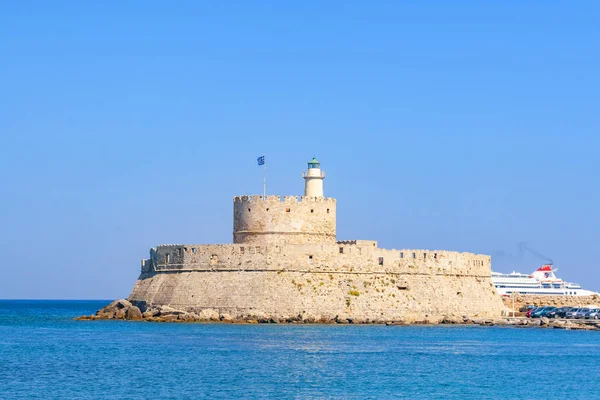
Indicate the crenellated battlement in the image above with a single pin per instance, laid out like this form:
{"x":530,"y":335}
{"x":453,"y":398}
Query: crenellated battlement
{"x":307,"y":199}
{"x":366,"y":243}
{"x":259,"y":199}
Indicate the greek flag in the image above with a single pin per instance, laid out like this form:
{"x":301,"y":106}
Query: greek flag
{"x":261,"y":160}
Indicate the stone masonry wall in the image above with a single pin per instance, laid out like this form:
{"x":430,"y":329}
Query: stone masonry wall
{"x":283,"y":220}
{"x":364,"y":256}
{"x":522,"y":301}
{"x":353,"y":280}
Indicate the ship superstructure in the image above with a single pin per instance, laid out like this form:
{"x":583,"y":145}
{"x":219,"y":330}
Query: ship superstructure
{"x":542,"y":281}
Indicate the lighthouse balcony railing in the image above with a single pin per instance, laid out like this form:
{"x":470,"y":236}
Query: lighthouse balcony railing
{"x":320,"y":175}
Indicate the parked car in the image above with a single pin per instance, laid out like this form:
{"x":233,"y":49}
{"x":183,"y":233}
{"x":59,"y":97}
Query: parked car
{"x":541,"y":312}
{"x":559,"y":312}
{"x":548,"y":310}
{"x":528,"y":313}
{"x":594,"y":313}
{"x":571,"y":313}
{"x":581,"y":313}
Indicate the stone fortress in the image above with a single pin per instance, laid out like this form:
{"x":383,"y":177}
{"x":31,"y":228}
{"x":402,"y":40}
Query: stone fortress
{"x":285,"y":263}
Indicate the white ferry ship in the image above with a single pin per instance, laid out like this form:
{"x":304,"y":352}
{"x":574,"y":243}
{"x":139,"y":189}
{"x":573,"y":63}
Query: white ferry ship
{"x":541,"y":282}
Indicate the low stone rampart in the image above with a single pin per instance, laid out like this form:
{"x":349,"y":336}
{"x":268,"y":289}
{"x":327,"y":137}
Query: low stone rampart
{"x":365,"y":257}
{"x":522,"y":301}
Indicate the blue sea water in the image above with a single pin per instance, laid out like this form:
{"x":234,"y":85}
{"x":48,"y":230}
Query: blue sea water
{"x":44,"y":354}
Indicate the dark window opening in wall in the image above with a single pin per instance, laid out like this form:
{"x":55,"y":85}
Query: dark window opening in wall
{"x":310,"y":259}
{"x":267,"y":210}
{"x":312,"y":211}
{"x":414,"y":255}
{"x":341,"y":250}
{"x":380,"y":260}
{"x":287,"y":210}
{"x":179,"y":251}
{"x":194,"y":250}
{"x":241,"y":250}
{"x":328,"y":211}
{"x":248,"y":210}
{"x":435,"y":255}
{"x":167,"y":258}
{"x":401,"y":255}
{"x":424,"y":255}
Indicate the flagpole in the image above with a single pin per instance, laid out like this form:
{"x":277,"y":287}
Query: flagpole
{"x":265,"y":177}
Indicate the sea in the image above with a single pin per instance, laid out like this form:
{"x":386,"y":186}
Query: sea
{"x":45,"y":354}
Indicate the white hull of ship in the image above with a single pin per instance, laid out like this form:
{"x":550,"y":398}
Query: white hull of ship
{"x":545,"y":291}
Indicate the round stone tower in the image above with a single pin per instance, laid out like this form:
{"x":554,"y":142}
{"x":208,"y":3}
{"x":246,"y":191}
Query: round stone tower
{"x":313,"y":179}
{"x":288,"y":220}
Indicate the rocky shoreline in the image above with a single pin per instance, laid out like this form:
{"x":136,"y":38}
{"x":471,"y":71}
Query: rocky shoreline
{"x":125,"y":310}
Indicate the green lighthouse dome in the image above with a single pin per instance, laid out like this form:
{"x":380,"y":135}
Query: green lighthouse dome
{"x":314,"y":163}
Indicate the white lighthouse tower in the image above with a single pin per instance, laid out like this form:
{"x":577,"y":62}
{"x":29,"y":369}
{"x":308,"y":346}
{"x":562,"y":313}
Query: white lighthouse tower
{"x":313,"y":179}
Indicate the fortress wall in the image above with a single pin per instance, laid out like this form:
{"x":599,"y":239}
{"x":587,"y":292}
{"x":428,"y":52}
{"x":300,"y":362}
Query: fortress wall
{"x":436,"y":261}
{"x":319,"y":257}
{"x":374,"y":296}
{"x":283,"y":220}
{"x":285,"y":280}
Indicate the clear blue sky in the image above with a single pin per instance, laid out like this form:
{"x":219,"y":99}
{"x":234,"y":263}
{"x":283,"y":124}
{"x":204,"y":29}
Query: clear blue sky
{"x":468,"y":126}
